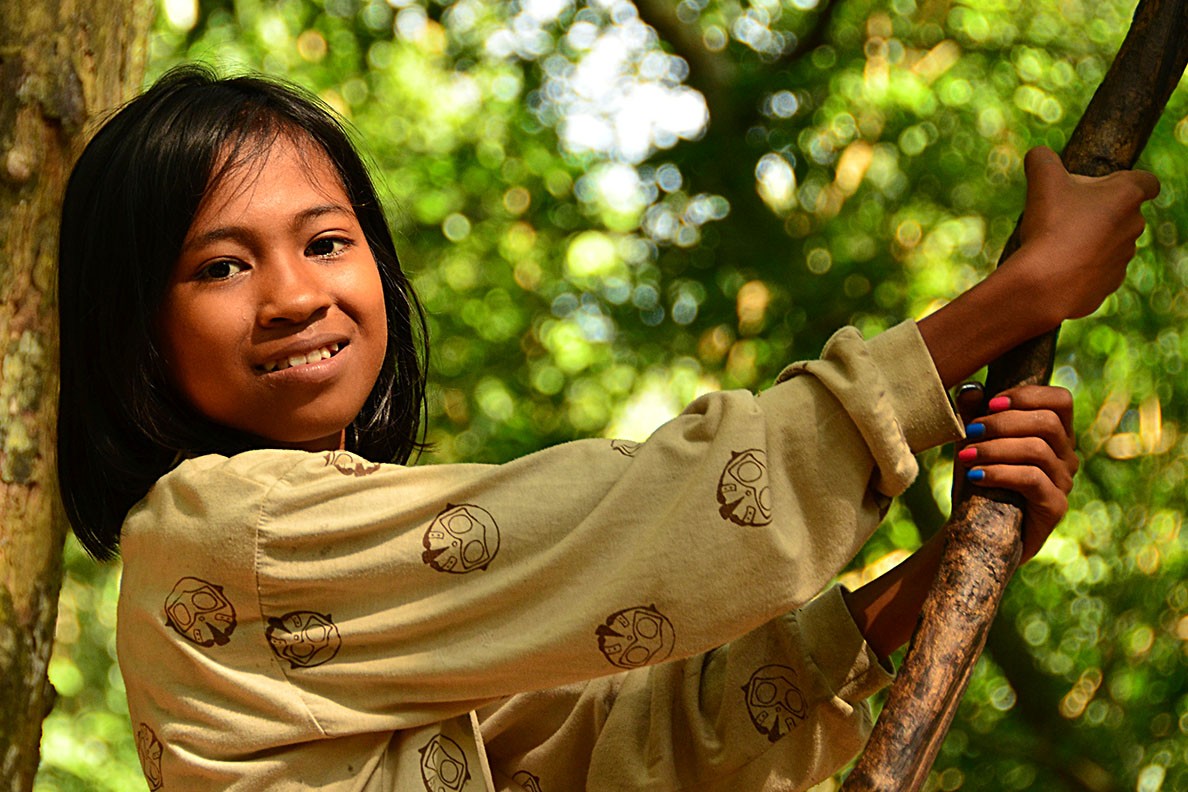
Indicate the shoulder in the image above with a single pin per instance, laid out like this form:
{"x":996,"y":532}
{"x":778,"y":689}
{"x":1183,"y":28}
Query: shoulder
{"x":213,"y":480}
{"x":220,"y":492}
{"x":252,"y":472}
{"x":214,"y":494}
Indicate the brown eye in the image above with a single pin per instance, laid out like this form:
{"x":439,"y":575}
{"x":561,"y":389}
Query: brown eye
{"x":220,"y":270}
{"x":326,"y":247}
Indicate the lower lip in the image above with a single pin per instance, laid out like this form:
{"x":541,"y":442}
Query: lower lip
{"x":310,"y":373}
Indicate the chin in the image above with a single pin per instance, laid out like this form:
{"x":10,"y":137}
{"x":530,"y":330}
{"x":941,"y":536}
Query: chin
{"x":321,"y":437}
{"x":329,"y":442}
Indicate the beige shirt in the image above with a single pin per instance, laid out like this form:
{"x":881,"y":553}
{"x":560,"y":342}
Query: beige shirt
{"x":599,"y":615}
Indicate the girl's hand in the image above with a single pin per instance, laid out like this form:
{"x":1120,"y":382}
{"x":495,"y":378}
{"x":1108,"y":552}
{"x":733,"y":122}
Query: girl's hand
{"x":1078,"y":233}
{"x":1077,"y":236}
{"x":1024,"y":444}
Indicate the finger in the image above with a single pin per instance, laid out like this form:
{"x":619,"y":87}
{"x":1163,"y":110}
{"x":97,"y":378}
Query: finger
{"x":1045,"y":501}
{"x":1145,"y":184}
{"x":1038,"y":523}
{"x":1042,"y":424}
{"x":1021,"y":451}
{"x":970,"y":401}
{"x":1132,"y":232}
{"x":1040,"y":159}
{"x":1042,"y":167}
{"x":1038,"y":526}
{"x":1148,"y":183}
{"x":1036,"y":397}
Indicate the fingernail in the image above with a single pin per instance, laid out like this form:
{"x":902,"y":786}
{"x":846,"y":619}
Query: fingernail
{"x":975,"y":430}
{"x":999,"y":403}
{"x":967,"y":454}
{"x":975,"y":475}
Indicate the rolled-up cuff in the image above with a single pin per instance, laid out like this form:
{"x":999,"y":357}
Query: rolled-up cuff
{"x":921,"y":403}
{"x":892,"y":393}
{"x":839,"y":650}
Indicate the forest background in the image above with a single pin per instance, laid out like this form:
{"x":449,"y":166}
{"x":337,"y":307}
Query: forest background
{"x":610,"y":207}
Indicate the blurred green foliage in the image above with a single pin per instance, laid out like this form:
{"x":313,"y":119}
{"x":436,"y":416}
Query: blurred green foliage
{"x":610,"y":207}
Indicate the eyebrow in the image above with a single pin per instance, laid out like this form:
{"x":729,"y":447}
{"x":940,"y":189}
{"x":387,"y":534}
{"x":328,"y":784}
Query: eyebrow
{"x":242,"y":233}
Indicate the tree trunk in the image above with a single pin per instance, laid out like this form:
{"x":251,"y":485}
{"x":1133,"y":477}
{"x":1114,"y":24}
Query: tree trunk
{"x":61,"y":63}
{"x":983,"y":546}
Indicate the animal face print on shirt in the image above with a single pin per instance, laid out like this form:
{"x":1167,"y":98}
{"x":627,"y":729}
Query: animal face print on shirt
{"x":637,"y":636}
{"x":743,"y":489}
{"x":198,"y":610}
{"x":530,"y":782}
{"x":443,"y":765}
{"x":304,"y":638}
{"x":349,"y":465}
{"x":461,"y":539}
{"x":774,"y":702}
{"x":149,"y":750}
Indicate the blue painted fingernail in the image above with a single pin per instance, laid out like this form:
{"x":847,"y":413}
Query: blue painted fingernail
{"x":975,"y":430}
{"x":975,"y":475}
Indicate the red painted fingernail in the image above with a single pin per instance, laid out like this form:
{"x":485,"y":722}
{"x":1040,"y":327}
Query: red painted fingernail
{"x":999,"y":403}
{"x":967,"y":454}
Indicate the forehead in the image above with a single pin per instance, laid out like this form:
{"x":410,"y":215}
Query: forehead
{"x":283,"y":173}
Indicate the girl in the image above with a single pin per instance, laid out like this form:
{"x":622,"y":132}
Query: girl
{"x":242,"y":377}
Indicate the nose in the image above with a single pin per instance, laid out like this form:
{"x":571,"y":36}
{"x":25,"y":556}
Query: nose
{"x":293,"y":291}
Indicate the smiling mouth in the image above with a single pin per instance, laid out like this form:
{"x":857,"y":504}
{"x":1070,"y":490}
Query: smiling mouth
{"x":313,"y":356}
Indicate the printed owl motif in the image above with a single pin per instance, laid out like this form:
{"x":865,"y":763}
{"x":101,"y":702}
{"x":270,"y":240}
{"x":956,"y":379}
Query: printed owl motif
{"x":743,"y":489}
{"x":149,"y":750}
{"x":529,"y":782}
{"x":463,"y":538}
{"x":774,"y":702}
{"x":304,"y":638}
{"x":635,"y":637}
{"x":443,"y":765}
{"x":200,"y":612}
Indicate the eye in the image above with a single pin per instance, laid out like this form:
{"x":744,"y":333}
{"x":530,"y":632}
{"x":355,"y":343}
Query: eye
{"x":221,"y":269}
{"x":327,"y":247}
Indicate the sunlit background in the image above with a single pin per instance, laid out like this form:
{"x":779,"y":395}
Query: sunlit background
{"x":609,"y":208}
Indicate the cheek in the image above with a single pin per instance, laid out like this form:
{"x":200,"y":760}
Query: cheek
{"x":196,"y":342}
{"x":374,"y":313}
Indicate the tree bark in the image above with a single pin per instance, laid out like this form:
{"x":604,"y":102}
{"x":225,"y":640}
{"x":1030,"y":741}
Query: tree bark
{"x":61,"y":63}
{"x":983,"y":547}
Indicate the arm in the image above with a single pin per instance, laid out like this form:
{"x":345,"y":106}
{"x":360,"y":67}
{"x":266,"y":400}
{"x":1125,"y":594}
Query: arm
{"x":785,"y":701}
{"x":1077,"y":236}
{"x":1026,"y":446}
{"x":664,"y":726}
{"x":449,"y":587}
{"x":703,"y":718}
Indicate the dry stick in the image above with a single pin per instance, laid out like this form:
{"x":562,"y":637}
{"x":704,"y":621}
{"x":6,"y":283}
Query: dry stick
{"x":982,"y":549}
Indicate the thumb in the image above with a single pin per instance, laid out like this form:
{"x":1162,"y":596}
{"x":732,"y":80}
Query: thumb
{"x":970,"y":397}
{"x":970,"y":401}
{"x":1041,"y":166}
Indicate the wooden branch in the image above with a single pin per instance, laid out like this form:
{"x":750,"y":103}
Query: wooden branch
{"x":982,"y":549}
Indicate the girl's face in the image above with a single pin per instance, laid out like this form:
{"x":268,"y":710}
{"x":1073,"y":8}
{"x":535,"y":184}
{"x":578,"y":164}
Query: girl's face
{"x":273,"y":322}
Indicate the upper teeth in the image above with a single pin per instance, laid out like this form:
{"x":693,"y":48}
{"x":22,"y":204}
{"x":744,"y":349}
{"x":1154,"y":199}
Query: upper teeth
{"x":300,"y":360}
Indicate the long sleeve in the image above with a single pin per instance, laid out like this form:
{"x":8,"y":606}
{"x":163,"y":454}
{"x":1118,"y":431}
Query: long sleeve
{"x":320,"y":596}
{"x":780,"y":708}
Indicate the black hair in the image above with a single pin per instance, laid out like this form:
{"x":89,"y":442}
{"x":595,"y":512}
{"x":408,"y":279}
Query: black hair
{"x":129,"y":204}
